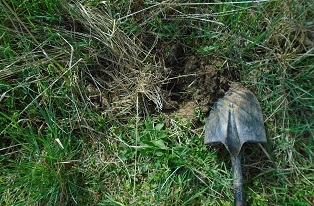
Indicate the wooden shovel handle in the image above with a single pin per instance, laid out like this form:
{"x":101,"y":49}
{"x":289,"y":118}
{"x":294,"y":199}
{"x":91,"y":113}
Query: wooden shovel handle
{"x":237,"y":180}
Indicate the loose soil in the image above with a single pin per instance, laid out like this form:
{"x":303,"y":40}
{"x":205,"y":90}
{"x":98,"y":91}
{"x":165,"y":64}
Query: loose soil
{"x":195,"y":82}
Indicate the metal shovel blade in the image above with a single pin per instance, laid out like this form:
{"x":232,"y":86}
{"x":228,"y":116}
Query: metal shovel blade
{"x":235,"y":119}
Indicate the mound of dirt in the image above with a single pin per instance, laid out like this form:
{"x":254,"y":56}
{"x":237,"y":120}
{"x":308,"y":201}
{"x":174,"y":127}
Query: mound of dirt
{"x":195,"y":82}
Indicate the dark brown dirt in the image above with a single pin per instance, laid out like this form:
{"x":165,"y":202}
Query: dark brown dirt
{"x":195,"y":82}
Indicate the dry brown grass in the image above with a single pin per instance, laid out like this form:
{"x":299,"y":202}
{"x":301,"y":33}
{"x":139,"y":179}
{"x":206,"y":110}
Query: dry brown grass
{"x":124,"y":71}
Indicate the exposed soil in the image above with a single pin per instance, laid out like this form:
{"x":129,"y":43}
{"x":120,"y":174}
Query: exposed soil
{"x":195,"y":82}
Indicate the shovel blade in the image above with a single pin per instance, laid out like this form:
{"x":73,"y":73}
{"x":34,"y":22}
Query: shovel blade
{"x":235,"y":119}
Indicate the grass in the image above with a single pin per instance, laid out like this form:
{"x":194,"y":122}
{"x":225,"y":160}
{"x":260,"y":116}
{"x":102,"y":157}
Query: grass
{"x":82,"y":86}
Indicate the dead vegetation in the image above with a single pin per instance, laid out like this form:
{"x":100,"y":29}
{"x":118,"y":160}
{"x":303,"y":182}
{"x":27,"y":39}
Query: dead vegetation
{"x":152,"y":67}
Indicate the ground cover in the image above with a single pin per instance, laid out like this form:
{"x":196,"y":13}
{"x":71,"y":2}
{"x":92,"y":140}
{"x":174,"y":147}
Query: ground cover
{"x":104,"y":102}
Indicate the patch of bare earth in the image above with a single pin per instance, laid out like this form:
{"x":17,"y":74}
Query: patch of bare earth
{"x":194,"y":82}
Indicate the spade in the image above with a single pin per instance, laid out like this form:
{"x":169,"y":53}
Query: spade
{"x":235,"y":119}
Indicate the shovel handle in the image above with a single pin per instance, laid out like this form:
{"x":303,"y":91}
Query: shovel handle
{"x":237,"y":180}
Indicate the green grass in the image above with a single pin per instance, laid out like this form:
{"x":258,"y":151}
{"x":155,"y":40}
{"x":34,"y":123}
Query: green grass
{"x":79,"y":84}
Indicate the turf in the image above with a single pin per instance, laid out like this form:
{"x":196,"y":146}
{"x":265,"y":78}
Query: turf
{"x":82,"y":90}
